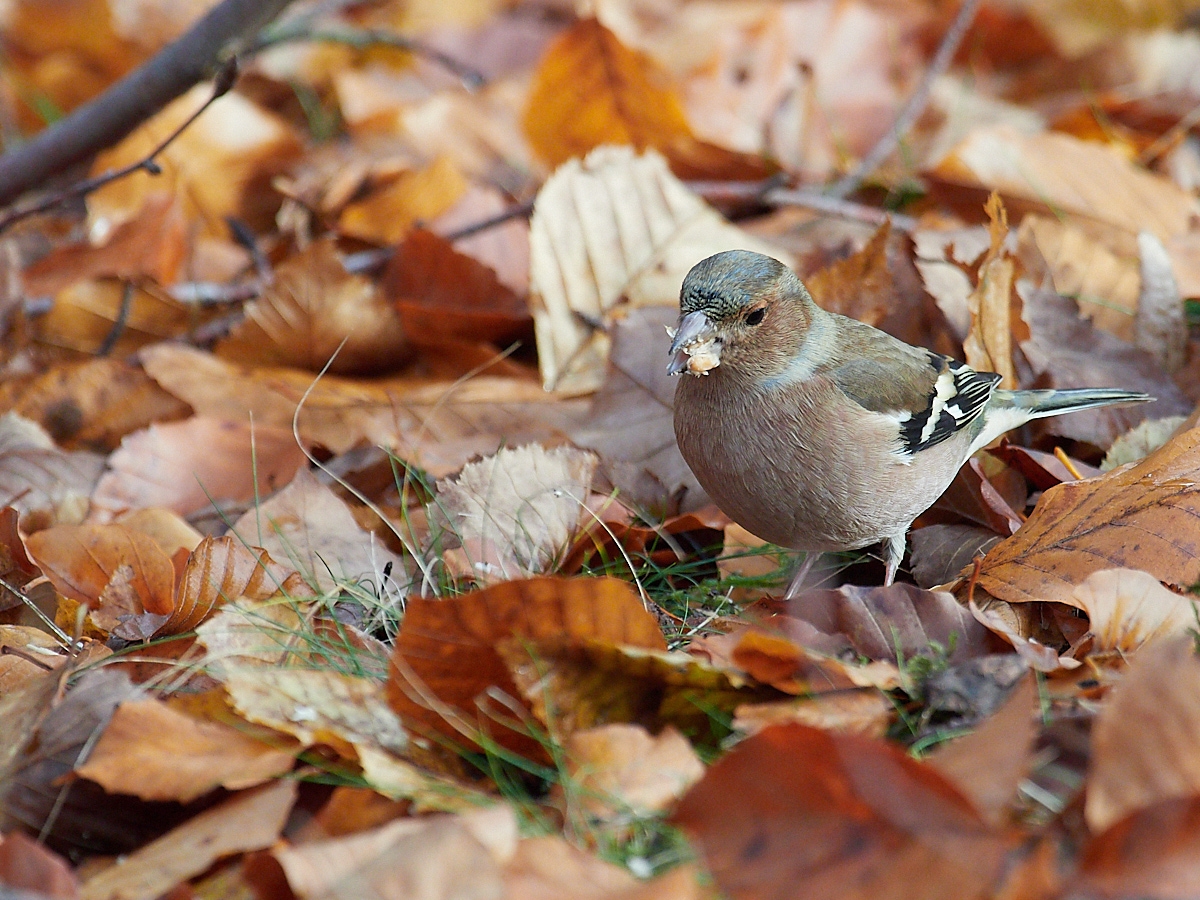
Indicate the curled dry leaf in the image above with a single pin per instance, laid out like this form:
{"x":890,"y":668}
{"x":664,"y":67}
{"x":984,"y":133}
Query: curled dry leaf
{"x":611,"y":230}
{"x":447,"y":676}
{"x":155,"y":752}
{"x":1143,"y":516}
{"x":221,"y":570}
{"x":515,"y":513}
{"x":826,"y":811}
{"x":1146,"y":742}
{"x":315,"y":312}
{"x":1128,"y":608}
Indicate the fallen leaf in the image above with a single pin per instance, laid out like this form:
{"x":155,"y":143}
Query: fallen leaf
{"x":315,"y":314}
{"x":516,"y":512}
{"x":27,"y":867}
{"x":620,"y":770}
{"x":1141,"y":516}
{"x":1153,"y":852}
{"x":196,"y":465}
{"x":989,"y":764}
{"x":307,"y":526}
{"x":387,"y":215}
{"x":250,"y":820}
{"x":1128,"y":608}
{"x":155,"y":752}
{"x":591,"y":90}
{"x":41,"y":482}
{"x":842,"y":815}
{"x":612,"y":230}
{"x":1144,"y":743}
{"x":447,"y":677}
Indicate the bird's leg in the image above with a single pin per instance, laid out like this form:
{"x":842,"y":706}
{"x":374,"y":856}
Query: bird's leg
{"x":797,"y":581}
{"x":893,"y":552}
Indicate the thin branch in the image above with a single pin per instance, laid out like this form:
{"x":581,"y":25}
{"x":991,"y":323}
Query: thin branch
{"x":836,"y":206}
{"x":364,"y":38}
{"x":911,"y":111}
{"x":226,"y":78}
{"x":109,"y":117}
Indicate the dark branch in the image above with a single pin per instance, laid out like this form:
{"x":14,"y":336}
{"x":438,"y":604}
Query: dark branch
{"x":109,"y":117}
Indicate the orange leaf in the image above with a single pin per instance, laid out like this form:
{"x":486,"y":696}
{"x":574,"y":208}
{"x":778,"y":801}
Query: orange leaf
{"x":223,"y":569}
{"x":1143,"y":516}
{"x":446,"y":656}
{"x":591,"y":89}
{"x":82,"y":561}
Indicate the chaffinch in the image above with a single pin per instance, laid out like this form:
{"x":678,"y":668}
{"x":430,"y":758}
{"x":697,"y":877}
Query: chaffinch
{"x":817,"y":432}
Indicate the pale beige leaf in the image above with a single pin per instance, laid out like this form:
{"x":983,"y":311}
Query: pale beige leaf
{"x":1159,"y":327}
{"x":317,"y":707}
{"x":1128,"y":608}
{"x":1146,"y":742}
{"x":1067,"y":175}
{"x":613,"y":230}
{"x":867,"y":712}
{"x":1140,"y":442}
{"x":251,"y":820}
{"x":514,"y":512}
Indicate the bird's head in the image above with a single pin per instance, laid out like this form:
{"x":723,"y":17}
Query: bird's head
{"x":741,"y":310}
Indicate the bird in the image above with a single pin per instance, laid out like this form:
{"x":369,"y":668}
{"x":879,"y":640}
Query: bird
{"x":817,"y":432}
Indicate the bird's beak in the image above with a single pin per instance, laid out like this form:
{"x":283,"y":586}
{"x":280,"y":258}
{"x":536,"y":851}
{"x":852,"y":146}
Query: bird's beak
{"x":693,"y":346}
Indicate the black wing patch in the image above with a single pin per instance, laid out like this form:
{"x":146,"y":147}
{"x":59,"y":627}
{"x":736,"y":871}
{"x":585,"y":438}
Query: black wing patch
{"x":959,"y":395}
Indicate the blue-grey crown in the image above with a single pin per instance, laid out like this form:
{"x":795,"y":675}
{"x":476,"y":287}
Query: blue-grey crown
{"x":727,"y":282}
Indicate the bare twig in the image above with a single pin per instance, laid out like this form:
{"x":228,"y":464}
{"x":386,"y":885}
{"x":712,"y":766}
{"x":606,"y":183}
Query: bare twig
{"x":911,"y":111}
{"x":109,"y":117}
{"x":224,"y":81}
{"x":846,"y":209}
{"x":119,"y":323}
{"x":362,"y":38}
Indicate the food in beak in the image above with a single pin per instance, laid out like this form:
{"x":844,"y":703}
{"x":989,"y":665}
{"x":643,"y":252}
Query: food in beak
{"x":694,"y":346}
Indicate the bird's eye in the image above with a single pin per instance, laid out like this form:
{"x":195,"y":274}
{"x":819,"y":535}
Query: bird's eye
{"x":756,"y":316}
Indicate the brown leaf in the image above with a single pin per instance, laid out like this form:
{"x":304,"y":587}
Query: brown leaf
{"x":155,"y":752}
{"x":40,"y":481}
{"x":82,"y":561}
{"x":221,"y":570}
{"x":308,"y":525}
{"x":91,"y":404}
{"x":446,"y":672}
{"x":196,"y":465}
{"x":1139,"y":517}
{"x":859,"y":286}
{"x":841,"y":815}
{"x":893,"y":623}
{"x":1127,"y":608}
{"x":989,"y":764}
{"x":315,"y":310}
{"x":1154,"y":852}
{"x":387,"y":215}
{"x":28,"y":868}
{"x":629,"y":422}
{"x":864,"y":712}
{"x":592,"y":90}
{"x":1146,"y":739}
{"x":249,"y":820}
{"x":442,"y":294}
{"x":1065,"y":174}
{"x":988,"y":345}
{"x":1068,"y":352}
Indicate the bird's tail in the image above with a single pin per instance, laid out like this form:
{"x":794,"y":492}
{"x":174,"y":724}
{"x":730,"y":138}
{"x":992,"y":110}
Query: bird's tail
{"x":1040,"y":404}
